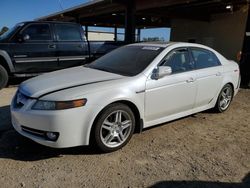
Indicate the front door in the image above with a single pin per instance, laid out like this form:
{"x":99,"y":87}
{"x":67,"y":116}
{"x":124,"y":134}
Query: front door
{"x":174,"y":93}
{"x":36,"y":50}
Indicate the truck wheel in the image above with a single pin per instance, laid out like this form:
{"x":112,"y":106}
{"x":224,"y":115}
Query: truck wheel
{"x":3,"y":77}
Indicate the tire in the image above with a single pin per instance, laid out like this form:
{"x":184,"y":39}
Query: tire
{"x":4,"y":77}
{"x":224,"y":99}
{"x":114,"y":127}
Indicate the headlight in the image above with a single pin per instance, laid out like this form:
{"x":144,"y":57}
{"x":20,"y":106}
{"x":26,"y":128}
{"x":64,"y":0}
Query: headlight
{"x":58,"y":105}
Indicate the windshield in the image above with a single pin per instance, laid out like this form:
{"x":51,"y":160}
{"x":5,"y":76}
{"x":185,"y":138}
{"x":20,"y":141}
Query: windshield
{"x":8,"y":33}
{"x":128,"y":60}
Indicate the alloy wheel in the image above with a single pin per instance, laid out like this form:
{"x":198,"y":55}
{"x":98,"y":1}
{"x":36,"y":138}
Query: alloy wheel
{"x":225,"y":97}
{"x":116,"y":128}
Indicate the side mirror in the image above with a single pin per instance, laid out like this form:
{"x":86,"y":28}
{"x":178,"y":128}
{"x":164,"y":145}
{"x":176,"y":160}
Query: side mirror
{"x":161,"y":72}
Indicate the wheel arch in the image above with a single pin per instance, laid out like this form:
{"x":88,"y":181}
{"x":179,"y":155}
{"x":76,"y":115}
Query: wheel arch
{"x":230,"y":83}
{"x":6,"y":62}
{"x":131,"y":105}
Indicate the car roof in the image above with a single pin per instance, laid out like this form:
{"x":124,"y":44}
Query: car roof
{"x":167,"y":44}
{"x":49,"y":22}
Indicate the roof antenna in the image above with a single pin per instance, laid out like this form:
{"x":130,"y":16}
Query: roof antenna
{"x":60,"y":3}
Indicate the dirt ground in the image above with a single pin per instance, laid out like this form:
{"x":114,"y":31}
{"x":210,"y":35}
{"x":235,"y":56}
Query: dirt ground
{"x":203,"y":150}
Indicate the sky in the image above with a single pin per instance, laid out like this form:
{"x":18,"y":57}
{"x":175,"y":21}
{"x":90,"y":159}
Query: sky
{"x":15,"y":11}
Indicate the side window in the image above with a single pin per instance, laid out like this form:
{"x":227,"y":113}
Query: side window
{"x":38,"y":32}
{"x":68,"y":32}
{"x":204,"y":58}
{"x":178,"y":60}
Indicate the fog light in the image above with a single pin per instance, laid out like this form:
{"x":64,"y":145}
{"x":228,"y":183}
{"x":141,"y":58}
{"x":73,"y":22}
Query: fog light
{"x":52,"y":136}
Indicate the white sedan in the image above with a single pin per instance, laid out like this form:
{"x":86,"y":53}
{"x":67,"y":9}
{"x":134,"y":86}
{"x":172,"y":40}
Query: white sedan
{"x":131,"y":88}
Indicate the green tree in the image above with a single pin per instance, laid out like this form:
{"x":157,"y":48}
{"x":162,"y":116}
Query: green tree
{"x":3,"y":30}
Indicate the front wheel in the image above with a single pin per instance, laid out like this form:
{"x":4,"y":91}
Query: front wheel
{"x":225,"y":98}
{"x":114,"y":127}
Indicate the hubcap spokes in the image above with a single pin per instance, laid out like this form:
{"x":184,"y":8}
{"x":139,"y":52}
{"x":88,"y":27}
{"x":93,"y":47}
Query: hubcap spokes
{"x":226,"y":97}
{"x":116,"y":128}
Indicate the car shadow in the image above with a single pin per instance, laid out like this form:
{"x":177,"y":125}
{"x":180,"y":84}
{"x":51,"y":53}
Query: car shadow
{"x":203,"y":184}
{"x":5,"y":122}
{"x":16,"y":147}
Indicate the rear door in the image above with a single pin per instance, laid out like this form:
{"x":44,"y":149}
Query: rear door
{"x":209,"y":75}
{"x":72,"y":49}
{"x":37,"y":52}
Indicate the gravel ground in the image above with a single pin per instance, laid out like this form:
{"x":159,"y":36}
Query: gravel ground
{"x":203,"y":150}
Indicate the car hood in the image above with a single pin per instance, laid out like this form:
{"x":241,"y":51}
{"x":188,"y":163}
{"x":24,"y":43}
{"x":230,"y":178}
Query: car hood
{"x":64,"y":79}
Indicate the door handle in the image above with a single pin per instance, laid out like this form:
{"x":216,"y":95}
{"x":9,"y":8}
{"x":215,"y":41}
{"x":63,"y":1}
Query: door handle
{"x":218,"y":74}
{"x":190,"y":80}
{"x":52,"y":46}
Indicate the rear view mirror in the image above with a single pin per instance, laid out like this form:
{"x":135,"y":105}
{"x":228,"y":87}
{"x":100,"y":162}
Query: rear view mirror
{"x":161,"y":72}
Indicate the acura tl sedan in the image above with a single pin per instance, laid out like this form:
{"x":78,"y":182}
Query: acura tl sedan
{"x":132,"y":88}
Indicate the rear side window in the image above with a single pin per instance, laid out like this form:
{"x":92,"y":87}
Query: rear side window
{"x":68,"y":32}
{"x":38,"y":32}
{"x":204,"y":58}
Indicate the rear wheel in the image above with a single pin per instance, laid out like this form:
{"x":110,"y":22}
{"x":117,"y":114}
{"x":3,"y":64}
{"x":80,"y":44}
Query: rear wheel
{"x":3,"y":77}
{"x":114,"y":127}
{"x":225,"y":98}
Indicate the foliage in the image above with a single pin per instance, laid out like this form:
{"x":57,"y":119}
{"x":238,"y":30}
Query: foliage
{"x":3,"y":30}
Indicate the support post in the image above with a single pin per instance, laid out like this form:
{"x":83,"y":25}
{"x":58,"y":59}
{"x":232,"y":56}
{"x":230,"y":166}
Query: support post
{"x":130,"y":22}
{"x":115,"y":34}
{"x":138,"y":34}
{"x":245,"y":57}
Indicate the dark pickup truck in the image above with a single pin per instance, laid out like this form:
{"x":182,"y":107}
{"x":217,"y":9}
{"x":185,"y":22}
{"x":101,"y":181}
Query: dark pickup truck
{"x":31,"y":48}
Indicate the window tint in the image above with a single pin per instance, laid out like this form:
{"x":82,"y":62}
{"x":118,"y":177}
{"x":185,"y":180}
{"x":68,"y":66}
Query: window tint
{"x":38,"y":32}
{"x":204,"y":58}
{"x":178,"y":60}
{"x":68,"y":32}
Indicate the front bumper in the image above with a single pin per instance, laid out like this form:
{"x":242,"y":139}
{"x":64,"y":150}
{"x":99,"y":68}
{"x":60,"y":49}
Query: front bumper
{"x":72,"y":125}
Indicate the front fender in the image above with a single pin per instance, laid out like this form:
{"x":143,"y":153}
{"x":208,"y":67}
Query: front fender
{"x":102,"y":102}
